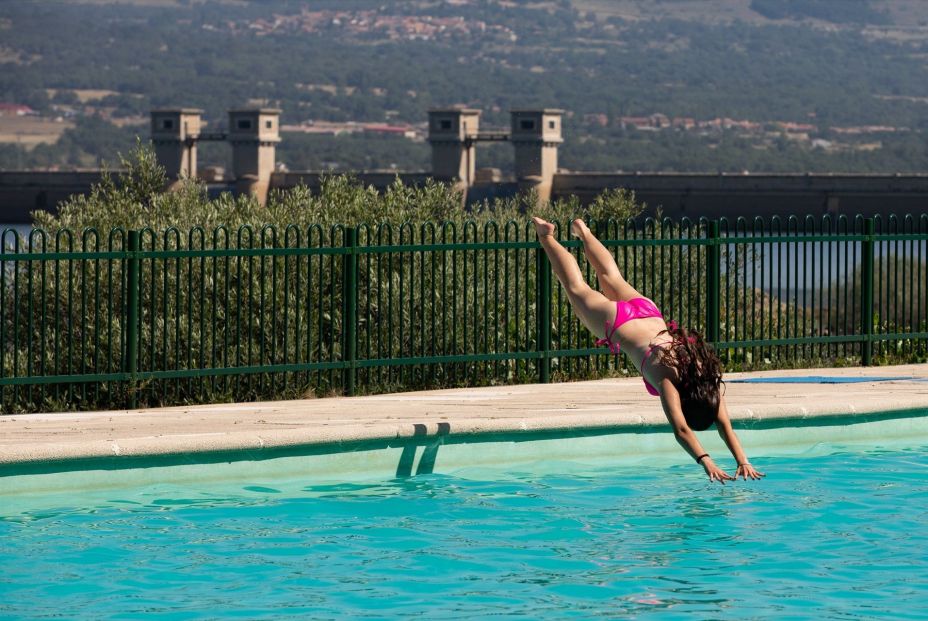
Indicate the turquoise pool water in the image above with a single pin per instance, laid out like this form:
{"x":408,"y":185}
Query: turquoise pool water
{"x":838,"y":534}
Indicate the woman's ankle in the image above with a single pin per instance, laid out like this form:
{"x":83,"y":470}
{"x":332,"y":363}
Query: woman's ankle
{"x":579,"y":229}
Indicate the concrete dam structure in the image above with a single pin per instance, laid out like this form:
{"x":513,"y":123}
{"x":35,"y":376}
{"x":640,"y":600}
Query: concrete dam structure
{"x":454,"y":134}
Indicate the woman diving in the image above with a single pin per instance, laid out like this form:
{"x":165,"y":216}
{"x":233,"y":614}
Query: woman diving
{"x":676,"y":364}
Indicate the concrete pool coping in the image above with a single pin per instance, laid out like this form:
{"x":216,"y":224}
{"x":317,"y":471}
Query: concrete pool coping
{"x":611,"y":405}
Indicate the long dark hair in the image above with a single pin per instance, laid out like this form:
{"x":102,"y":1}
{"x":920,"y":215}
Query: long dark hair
{"x":699,"y":375}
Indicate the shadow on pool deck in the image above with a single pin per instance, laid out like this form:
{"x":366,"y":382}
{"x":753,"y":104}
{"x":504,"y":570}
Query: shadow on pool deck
{"x":428,"y":418}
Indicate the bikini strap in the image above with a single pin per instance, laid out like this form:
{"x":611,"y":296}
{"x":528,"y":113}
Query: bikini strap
{"x":610,"y":332}
{"x":615,"y":348}
{"x":651,"y":348}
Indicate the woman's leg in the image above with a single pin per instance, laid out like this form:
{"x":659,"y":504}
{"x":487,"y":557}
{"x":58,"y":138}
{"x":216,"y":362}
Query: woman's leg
{"x":592,"y":307}
{"x":611,"y":281}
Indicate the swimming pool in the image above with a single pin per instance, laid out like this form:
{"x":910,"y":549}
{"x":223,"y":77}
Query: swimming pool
{"x":835,"y":531}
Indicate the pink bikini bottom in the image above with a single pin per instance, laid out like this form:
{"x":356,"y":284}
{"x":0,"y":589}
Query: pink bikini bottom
{"x":625,"y":311}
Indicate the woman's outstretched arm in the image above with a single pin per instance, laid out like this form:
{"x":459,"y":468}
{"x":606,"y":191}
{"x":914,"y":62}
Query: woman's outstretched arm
{"x":723,"y":425}
{"x":686,"y":437}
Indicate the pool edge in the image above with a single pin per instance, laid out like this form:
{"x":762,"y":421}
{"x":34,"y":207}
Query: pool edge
{"x":100,"y":455}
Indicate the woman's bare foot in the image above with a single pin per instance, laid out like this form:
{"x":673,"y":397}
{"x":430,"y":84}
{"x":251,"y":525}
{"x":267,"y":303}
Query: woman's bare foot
{"x":578,"y":228}
{"x":542,"y":227}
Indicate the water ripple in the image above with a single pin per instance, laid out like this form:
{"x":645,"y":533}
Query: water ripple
{"x":834,"y":536}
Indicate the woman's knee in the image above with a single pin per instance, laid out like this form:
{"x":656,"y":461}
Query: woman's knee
{"x":589,"y":300}
{"x":579,"y":288}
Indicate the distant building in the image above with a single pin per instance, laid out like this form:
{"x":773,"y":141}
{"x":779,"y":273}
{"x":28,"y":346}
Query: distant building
{"x":596,"y":119}
{"x":637,"y":122}
{"x":390,"y":130}
{"x":801,"y":128}
{"x":13,"y":109}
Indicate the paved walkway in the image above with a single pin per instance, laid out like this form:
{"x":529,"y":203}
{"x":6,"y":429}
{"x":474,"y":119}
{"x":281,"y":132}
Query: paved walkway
{"x":613,"y":403}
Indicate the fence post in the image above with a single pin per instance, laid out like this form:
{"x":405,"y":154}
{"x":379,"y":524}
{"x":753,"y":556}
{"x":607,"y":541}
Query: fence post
{"x":350,"y":310}
{"x":866,"y":287}
{"x":713,"y":278}
{"x":131,"y":359}
{"x":543,"y":297}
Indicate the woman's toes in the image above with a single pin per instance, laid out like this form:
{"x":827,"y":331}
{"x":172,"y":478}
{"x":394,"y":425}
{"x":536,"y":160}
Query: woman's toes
{"x":542,"y":227}
{"x":578,"y":228}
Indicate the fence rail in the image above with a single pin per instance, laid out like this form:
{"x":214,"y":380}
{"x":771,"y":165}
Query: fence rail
{"x":169,"y":317}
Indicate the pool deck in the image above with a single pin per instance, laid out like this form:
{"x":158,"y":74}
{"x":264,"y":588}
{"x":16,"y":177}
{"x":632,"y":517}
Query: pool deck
{"x":605,"y":404}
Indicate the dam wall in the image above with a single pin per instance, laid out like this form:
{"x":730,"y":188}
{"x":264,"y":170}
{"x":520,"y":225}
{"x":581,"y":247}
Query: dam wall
{"x":750,"y":195}
{"x":675,"y":195}
{"x":22,"y":192}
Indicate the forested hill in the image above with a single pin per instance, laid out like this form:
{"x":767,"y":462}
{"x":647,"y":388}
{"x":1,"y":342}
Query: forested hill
{"x":648,"y":84}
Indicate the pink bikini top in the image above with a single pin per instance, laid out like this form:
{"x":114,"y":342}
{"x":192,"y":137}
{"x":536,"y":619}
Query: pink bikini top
{"x":651,"y":389}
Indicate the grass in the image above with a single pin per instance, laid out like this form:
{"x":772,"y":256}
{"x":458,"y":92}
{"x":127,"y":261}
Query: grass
{"x":710,"y":11}
{"x":153,"y":2}
{"x":30,"y":131}
{"x":83,"y":94}
{"x":903,"y":13}
{"x":10,"y":56}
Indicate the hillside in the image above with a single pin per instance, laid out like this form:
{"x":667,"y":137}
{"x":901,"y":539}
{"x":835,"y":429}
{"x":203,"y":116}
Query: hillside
{"x":894,"y":13}
{"x":648,"y":84}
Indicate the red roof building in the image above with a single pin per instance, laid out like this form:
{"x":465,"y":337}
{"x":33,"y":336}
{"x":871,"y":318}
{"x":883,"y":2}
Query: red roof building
{"x":11,"y":109}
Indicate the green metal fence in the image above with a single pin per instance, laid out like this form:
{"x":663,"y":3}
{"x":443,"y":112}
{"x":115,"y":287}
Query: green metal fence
{"x":145,"y":318}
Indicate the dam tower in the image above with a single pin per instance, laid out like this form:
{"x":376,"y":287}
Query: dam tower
{"x":536,"y":135}
{"x":174,"y":134}
{"x":451,"y":135}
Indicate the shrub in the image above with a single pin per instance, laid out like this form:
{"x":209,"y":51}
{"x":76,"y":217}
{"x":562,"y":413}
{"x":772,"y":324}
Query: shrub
{"x":218,"y":309}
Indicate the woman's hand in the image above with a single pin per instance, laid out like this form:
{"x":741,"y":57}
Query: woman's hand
{"x":746,"y":470}
{"x":715,"y":473}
